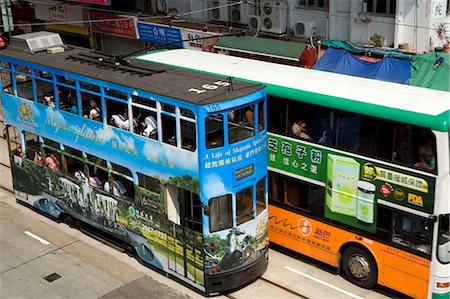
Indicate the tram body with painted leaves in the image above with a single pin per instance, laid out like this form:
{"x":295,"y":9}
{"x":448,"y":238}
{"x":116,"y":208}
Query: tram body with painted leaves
{"x":170,"y":162}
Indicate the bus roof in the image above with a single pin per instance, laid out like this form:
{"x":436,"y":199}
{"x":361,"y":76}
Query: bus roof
{"x":405,"y":103}
{"x":167,"y":81}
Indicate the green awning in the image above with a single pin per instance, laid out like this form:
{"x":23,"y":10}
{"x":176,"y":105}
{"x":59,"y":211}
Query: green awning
{"x":431,"y":70}
{"x":262,"y":46}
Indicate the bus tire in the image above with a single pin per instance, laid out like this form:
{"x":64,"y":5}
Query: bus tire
{"x":359,"y":267}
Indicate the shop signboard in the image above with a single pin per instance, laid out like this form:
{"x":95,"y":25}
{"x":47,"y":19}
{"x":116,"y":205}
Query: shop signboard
{"x":98,"y":2}
{"x":160,"y":34}
{"x":118,"y":25}
{"x":354,"y":185}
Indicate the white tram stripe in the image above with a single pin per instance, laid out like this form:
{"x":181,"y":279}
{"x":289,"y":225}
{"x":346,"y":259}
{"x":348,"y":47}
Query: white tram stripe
{"x":43,"y":241}
{"x":323,"y":282}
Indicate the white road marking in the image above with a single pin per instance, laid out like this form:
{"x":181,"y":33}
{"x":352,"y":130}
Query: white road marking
{"x":323,"y":282}
{"x":43,"y":241}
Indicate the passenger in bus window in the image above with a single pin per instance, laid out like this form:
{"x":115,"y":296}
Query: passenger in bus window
{"x":49,"y":101}
{"x":299,"y":129}
{"x":426,"y":154}
{"x":149,"y":126}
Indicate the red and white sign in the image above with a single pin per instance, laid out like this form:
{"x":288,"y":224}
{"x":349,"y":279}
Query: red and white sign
{"x":123,"y":26}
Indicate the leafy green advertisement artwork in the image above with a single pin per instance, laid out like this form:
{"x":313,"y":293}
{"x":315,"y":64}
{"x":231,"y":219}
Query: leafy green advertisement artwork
{"x":354,"y":185}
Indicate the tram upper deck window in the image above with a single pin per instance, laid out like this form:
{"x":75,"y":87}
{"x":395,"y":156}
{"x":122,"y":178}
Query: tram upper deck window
{"x":67,"y":98}
{"x":91,"y":105}
{"x":5,"y":77}
{"x":45,"y":93}
{"x":24,"y":84}
{"x":214,"y":131}
{"x":220,"y":213}
{"x":241,"y":124}
{"x":90,"y":87}
{"x":109,"y":92}
{"x":188,"y":131}
{"x":65,"y":80}
{"x":117,"y":114}
{"x":144,"y":101}
{"x":168,"y":124}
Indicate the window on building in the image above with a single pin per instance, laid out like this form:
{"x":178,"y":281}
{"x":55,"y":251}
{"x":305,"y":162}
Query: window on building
{"x":244,"y":205}
{"x":220,"y":213}
{"x":384,"y":7}
{"x":313,"y":4}
{"x":214,"y":131}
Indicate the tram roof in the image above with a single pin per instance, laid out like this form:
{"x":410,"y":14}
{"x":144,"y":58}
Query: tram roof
{"x":172,"y":82}
{"x":398,"y":102}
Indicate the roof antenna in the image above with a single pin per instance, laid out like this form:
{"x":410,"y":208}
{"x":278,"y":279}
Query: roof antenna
{"x":230,"y":84}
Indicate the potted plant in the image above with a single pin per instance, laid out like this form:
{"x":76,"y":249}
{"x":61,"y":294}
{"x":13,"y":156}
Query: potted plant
{"x":378,"y":40}
{"x":441,"y":31}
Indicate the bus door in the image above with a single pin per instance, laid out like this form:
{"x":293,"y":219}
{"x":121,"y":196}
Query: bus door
{"x":185,"y":248}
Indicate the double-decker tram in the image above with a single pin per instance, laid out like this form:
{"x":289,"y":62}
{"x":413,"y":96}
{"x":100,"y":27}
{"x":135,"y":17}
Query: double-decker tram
{"x":359,"y":170}
{"x":171,"y":162}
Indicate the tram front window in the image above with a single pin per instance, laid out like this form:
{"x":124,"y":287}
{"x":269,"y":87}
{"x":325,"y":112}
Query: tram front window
{"x":241,"y":124}
{"x":220,"y":213}
{"x":214,"y":131}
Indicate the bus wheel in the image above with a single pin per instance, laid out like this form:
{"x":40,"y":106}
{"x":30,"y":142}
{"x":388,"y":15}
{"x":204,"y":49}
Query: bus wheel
{"x":359,"y":267}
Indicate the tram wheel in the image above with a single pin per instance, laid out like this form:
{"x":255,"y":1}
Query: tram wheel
{"x":359,"y":267}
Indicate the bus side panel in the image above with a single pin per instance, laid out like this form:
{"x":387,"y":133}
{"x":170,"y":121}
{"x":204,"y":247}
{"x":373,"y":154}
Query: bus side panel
{"x":397,"y":269}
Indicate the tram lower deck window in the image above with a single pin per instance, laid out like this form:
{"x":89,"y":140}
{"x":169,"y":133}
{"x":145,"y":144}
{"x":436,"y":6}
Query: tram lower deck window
{"x":220,"y":213}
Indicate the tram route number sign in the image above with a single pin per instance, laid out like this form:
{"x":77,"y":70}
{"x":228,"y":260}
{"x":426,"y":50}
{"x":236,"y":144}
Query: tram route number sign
{"x":244,"y":172}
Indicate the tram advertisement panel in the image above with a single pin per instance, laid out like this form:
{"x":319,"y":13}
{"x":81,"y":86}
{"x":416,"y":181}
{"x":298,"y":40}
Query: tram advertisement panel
{"x":353,"y":184}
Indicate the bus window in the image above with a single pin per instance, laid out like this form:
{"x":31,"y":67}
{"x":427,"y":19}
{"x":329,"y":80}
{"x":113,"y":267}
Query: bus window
{"x":149,"y":183}
{"x":91,"y":105}
{"x":33,"y":147}
{"x":443,"y":250}
{"x":411,"y":231}
{"x":214,"y":131}
{"x":117,"y":114}
{"x":145,"y":122}
{"x":276,"y":113}
{"x":244,"y":205}
{"x":188,"y":135}
{"x":220,"y":213}
{"x":168,"y":129}
{"x":242,"y":125}
{"x":260,"y":196}
{"x":261,"y":118}
{"x":24,"y":84}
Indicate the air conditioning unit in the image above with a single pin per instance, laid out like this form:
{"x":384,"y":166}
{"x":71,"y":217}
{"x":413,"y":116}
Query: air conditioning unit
{"x":254,"y":23}
{"x":273,"y":16}
{"x":305,"y":29}
{"x":239,"y":13}
{"x":218,"y":10}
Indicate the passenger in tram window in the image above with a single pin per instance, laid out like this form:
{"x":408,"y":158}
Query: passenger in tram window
{"x":37,"y":158}
{"x":79,"y":175}
{"x":95,"y":181}
{"x":49,"y":101}
{"x":94,"y":111}
{"x":149,"y":126}
{"x":73,"y":106}
{"x":121,"y":121}
{"x":250,"y":114}
{"x":51,"y":161}
{"x":118,"y":188}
